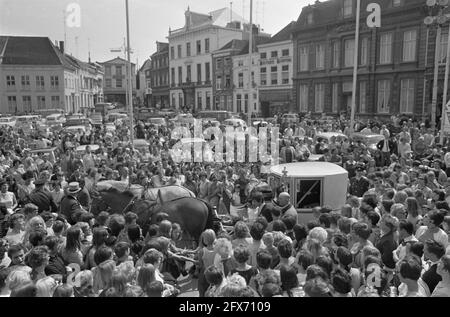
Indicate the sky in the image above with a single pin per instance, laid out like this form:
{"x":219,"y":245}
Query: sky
{"x":103,"y":23}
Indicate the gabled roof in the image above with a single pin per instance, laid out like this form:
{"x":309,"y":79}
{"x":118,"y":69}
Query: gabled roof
{"x":283,"y":35}
{"x":147,"y":64}
{"x":117,"y":59}
{"x":258,"y":40}
{"x":25,"y":50}
{"x":234,"y":45}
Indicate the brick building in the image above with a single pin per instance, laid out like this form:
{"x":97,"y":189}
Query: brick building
{"x":392,"y":67}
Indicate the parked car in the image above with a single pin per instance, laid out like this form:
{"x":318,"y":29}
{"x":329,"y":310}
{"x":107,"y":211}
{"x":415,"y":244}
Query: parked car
{"x":54,"y":119}
{"x":96,"y":119}
{"x":157,"y":121}
{"x":8,"y":121}
{"x":369,"y":140}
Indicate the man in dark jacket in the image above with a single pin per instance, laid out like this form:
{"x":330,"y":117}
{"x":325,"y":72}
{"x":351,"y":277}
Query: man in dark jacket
{"x":70,"y":204}
{"x":433,"y":252}
{"x":55,"y":264}
{"x":359,"y":184}
{"x":42,"y":198}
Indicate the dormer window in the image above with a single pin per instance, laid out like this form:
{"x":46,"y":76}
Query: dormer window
{"x":309,"y":18}
{"x":348,"y":8}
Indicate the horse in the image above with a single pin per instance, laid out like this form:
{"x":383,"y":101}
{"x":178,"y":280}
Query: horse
{"x":192,"y":214}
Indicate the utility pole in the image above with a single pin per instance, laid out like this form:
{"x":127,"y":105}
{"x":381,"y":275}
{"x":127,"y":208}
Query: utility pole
{"x":250,"y":57}
{"x":355,"y":66}
{"x":130,"y":86}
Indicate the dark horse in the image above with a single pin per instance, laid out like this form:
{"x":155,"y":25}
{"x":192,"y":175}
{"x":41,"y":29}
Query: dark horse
{"x":192,"y":214}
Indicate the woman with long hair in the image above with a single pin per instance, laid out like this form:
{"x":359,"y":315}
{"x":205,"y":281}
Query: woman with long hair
{"x":414,"y":211}
{"x":146,"y":276}
{"x":99,"y":237}
{"x":206,"y":257}
{"x":71,"y":253}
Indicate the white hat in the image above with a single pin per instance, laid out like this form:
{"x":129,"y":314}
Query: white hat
{"x":74,"y":188}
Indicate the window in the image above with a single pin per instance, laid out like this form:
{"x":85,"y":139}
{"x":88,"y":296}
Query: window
{"x":263,"y":75}
{"x":304,"y":58}
{"x":108,"y":70}
{"x":320,"y":57}
{"x":54,"y":82}
{"x":443,"y":48}
{"x":41,"y":102}
{"x":285,"y":74}
{"x":199,"y":47}
{"x":199,"y":100}
{"x":199,"y":73}
{"x":227,"y":61}
{"x":179,"y":51}
{"x":335,"y":98}
{"x":173,"y":101}
{"x":274,"y":75}
{"x":263,"y":55}
{"x":172,"y":73}
{"x":108,"y":82}
{"x":206,"y":45}
{"x":208,"y":100}
{"x":172,"y":52}
{"x":336,"y":54}
{"x":407,"y":96}
{"x":364,"y":51}
{"x":227,"y":81}
{"x":348,"y":8}
{"x":180,"y":75}
{"x":241,"y":80}
{"x":218,"y":82}
{"x":118,"y":70}
{"x":119,"y":83}
{"x":219,"y":63}
{"x":285,"y":52}
{"x":386,"y":48}
{"x":229,"y":103}
{"x":207,"y":73}
{"x":12,"y":104}
{"x":274,"y":54}
{"x":188,"y":49}
{"x":240,"y":63}
{"x":409,"y":46}
{"x":246,"y":103}
{"x":10,"y":81}
{"x":309,"y":18}
{"x":55,"y":102}
{"x":319,"y":97}
{"x":26,"y":82}
{"x":349,"y":53}
{"x":26,"y":100}
{"x":362,"y":97}
{"x":188,"y":73}
{"x":180,"y":100}
{"x":239,"y":103}
{"x":40,"y":83}
{"x":304,"y":97}
{"x":384,"y":94}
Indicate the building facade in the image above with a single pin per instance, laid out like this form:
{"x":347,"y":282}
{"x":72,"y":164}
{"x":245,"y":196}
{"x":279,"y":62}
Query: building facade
{"x":276,"y":72}
{"x":115,"y":82}
{"x":190,"y":57}
{"x":143,"y":84}
{"x":392,"y":71}
{"x":159,"y":76}
{"x":38,"y":75}
{"x":222,"y":63}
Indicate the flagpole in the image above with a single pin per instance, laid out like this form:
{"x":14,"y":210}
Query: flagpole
{"x":444,"y":98}
{"x":355,"y":65}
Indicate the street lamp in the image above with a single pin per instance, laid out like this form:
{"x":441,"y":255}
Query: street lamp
{"x":436,"y":19}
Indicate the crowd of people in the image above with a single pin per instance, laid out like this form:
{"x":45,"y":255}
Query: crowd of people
{"x":391,"y":238}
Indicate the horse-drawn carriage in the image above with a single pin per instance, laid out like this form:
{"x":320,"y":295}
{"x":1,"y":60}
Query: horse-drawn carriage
{"x":311,"y":184}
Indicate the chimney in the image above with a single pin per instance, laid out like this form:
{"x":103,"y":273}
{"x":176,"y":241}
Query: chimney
{"x":61,"y":46}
